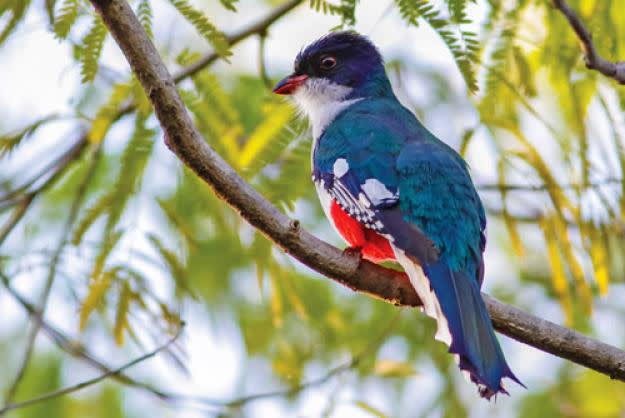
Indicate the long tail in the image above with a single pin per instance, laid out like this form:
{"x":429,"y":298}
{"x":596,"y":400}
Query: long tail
{"x":454,"y":300}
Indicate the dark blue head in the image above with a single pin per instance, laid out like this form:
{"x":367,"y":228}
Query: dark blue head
{"x":344,"y":59}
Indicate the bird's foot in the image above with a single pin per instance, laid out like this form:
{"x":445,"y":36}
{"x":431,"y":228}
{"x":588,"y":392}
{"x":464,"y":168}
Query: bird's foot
{"x":353,"y":252}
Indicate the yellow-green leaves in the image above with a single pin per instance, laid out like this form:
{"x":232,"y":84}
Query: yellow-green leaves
{"x":599,"y":254}
{"x":97,"y":291}
{"x":558,"y":274}
{"x":393,"y":368}
{"x":107,"y":114}
{"x":91,"y":48}
{"x":262,"y":146}
{"x":10,"y":141}
{"x":121,"y":314}
{"x":65,"y":18}
{"x":100,"y":280}
{"x":204,"y":27}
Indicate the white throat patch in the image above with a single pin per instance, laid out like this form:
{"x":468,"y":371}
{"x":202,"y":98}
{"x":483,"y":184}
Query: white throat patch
{"x":321,"y":100}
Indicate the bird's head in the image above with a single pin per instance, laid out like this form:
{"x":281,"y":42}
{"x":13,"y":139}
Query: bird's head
{"x":339,"y":66}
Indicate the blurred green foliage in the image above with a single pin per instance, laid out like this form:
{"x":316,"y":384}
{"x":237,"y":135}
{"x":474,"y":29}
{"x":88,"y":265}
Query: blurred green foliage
{"x":557,"y":200}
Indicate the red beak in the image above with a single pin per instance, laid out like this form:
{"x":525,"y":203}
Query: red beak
{"x":289,"y":84}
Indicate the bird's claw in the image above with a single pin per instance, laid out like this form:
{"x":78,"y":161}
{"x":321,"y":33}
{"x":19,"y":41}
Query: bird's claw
{"x":353,"y":252}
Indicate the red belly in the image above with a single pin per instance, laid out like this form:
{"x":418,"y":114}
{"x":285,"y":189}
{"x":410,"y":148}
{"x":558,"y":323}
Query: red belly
{"x":374,"y":246}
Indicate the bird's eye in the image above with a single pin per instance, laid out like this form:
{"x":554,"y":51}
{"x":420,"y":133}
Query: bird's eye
{"x":327,"y":63}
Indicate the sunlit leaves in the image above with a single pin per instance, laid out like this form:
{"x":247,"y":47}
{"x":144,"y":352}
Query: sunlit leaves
{"x":267,"y":140}
{"x":204,"y":27}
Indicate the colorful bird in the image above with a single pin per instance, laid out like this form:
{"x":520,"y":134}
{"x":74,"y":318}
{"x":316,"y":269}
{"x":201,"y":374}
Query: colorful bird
{"x":394,"y":191}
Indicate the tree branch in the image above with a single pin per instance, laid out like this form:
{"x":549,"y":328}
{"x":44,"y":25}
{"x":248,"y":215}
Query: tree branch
{"x":594,"y":61}
{"x":185,"y":141}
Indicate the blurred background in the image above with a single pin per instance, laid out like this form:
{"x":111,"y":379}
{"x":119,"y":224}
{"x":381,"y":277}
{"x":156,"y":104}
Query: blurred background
{"x":107,"y":244}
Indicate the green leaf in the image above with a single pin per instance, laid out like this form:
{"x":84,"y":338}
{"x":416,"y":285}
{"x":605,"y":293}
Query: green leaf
{"x":462,"y":44}
{"x":121,"y":314}
{"x":112,"y":203}
{"x":108,"y":113}
{"x":10,"y":142}
{"x":346,"y":10}
{"x":145,"y":16}
{"x":65,"y":19}
{"x":97,"y":291}
{"x":175,"y":265}
{"x":91,"y":48}
{"x":204,"y":27}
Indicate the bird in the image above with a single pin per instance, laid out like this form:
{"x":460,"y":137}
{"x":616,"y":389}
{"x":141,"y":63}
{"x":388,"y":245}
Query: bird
{"x":395,"y":192}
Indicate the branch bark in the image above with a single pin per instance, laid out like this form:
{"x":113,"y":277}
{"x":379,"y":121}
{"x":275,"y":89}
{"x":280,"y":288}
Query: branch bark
{"x":594,"y":61}
{"x":185,"y":141}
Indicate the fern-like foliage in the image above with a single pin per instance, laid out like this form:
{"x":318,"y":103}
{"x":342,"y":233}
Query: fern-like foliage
{"x":16,"y":10}
{"x":457,"y":10}
{"x":91,"y":48}
{"x":204,"y":27}
{"x":145,"y":16}
{"x":462,"y":44}
{"x":175,"y":264}
{"x":65,"y":18}
{"x":346,"y":10}
{"x":113,"y":203}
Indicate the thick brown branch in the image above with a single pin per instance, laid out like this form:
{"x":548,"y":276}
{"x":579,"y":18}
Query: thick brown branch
{"x":185,"y":141}
{"x":594,"y":61}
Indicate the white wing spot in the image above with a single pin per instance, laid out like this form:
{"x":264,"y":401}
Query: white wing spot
{"x":340,"y":167}
{"x":377,"y":192}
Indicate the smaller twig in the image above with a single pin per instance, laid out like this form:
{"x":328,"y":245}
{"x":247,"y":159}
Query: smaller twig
{"x":594,"y":61}
{"x":355,"y":360}
{"x":36,"y":326}
{"x":52,"y":170}
{"x":262,"y":68}
{"x":15,"y":217}
{"x":545,"y":187}
{"x":74,"y":388}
